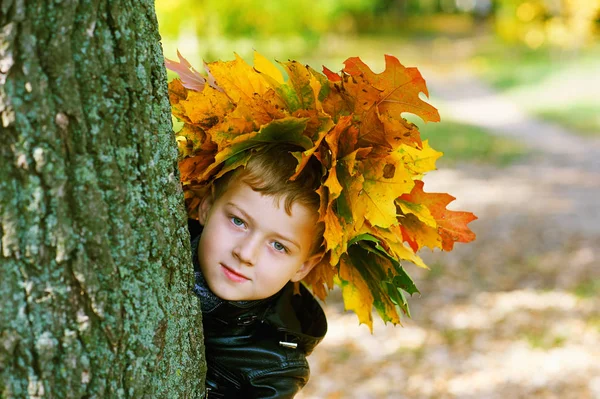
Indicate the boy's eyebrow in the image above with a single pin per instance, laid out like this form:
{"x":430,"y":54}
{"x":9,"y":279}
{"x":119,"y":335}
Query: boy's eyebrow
{"x":248,"y":217}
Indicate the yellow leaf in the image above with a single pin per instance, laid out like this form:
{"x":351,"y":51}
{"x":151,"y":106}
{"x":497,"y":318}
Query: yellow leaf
{"x":305,"y":156}
{"x":419,"y":160}
{"x":385,"y":179}
{"x":356,"y":293}
{"x":419,"y":210}
{"x":238,"y":79}
{"x":417,"y":232}
{"x":263,"y":65}
{"x":206,"y":108}
{"x":399,"y":131}
{"x":334,"y":234}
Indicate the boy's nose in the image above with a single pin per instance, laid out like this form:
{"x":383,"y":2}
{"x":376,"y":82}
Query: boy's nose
{"x":246,"y":250}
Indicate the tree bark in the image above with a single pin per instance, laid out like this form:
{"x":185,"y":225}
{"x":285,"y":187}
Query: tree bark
{"x":95,"y":268}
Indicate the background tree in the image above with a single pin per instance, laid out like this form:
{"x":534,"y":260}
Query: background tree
{"x":94,"y":283}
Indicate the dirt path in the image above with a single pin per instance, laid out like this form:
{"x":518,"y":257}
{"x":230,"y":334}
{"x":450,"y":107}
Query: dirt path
{"x":513,"y":315}
{"x":561,"y":181}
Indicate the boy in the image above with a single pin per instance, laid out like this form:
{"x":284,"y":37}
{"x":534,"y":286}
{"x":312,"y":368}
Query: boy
{"x":355,"y":162}
{"x":260,"y":236}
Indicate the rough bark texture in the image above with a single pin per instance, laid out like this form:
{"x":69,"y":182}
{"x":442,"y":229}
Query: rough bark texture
{"x":95,"y":271}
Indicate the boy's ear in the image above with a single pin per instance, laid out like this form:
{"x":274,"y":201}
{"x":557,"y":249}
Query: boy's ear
{"x":204,"y":208}
{"x":306,"y":267}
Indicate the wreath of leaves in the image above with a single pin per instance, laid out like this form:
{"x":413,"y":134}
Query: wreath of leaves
{"x":375,"y":211}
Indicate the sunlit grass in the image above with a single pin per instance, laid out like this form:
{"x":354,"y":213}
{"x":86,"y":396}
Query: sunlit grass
{"x":507,"y":67}
{"x":544,"y":340}
{"x":583,"y":118}
{"x":588,"y":289}
{"x":554,"y":85}
{"x":466,"y":143}
{"x":510,"y":66}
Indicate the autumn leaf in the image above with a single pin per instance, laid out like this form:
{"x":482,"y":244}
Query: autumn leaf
{"x":206,"y":108}
{"x":332,"y":76}
{"x":400,"y":88}
{"x":305,"y":86}
{"x":190,"y":78}
{"x":418,"y":234}
{"x":399,"y":131}
{"x":322,"y":277}
{"x":378,"y":271}
{"x":262,"y":65}
{"x":356,"y":293}
{"x":394,"y":241}
{"x":286,"y":130}
{"x":384,"y":180}
{"x":419,"y":161}
{"x":238,"y":79}
{"x":451,"y":225}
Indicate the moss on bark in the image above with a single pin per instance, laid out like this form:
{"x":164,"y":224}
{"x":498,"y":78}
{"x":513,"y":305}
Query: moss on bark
{"x":95,"y":274}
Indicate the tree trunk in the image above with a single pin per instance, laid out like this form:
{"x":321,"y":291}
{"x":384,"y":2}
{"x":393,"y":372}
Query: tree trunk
{"x":95,"y":268}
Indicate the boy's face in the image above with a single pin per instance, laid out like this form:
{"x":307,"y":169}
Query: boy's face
{"x":250,"y":247}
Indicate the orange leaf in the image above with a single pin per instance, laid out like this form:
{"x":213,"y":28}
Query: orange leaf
{"x":332,"y":76}
{"x":321,"y":277}
{"x":452,"y":225}
{"x":400,"y":88}
{"x":418,"y":235}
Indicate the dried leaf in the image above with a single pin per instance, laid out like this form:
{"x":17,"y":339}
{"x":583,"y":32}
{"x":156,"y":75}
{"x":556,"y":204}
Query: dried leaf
{"x":190,"y":78}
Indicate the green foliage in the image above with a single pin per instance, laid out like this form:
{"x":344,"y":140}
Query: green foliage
{"x":496,"y":62}
{"x":583,"y":118}
{"x":568,"y":24}
{"x":588,"y":288}
{"x":550,"y":84}
{"x":463,"y":142}
{"x":246,"y":18}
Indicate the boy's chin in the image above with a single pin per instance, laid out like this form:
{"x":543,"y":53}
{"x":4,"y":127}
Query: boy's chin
{"x":227,"y":295}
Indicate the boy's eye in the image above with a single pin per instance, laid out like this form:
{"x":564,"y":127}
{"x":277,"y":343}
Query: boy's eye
{"x":237,"y":221}
{"x":279,"y":247}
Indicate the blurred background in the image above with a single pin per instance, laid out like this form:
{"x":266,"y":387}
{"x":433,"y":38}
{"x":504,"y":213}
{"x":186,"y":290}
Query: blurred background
{"x":516,"y":314}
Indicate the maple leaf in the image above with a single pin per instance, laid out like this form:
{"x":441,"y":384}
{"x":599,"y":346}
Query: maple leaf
{"x":356,"y":292}
{"x":395,"y":242}
{"x":451,"y":225}
{"x":238,"y":79}
{"x":419,"y":161}
{"x":264,"y":66}
{"x":206,"y":108}
{"x":384,"y":180}
{"x":417,"y":234}
{"x":190,"y":78}
{"x":322,"y":277}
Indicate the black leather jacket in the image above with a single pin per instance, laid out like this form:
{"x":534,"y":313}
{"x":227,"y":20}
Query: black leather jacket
{"x":258,"y":349}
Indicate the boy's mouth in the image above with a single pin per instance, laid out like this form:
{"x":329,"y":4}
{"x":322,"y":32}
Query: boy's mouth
{"x":233,"y":275}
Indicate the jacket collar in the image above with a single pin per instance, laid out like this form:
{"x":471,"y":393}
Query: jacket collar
{"x":298,"y":318}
